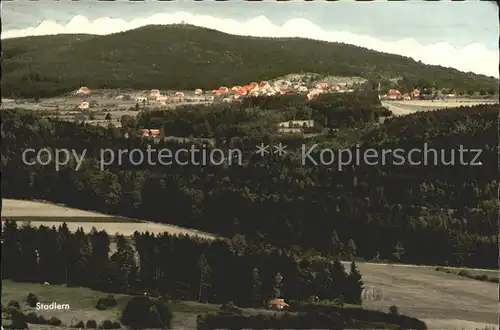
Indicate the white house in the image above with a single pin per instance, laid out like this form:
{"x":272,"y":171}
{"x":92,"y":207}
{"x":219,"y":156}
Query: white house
{"x":297,"y":124}
{"x":84,"y":105}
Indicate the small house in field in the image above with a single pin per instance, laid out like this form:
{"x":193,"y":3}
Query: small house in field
{"x":150,"y":132}
{"x":83,"y":91}
{"x":154,"y":132}
{"x":179,"y":96}
{"x":277,"y":304}
{"x":84,"y":105}
{"x":297,"y":124}
{"x":155,"y":93}
{"x":163,"y":100}
{"x":394,"y":94}
{"x":415,"y":94}
{"x":198,"y":92}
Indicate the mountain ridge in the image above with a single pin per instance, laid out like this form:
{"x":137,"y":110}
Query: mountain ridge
{"x":189,"y":57}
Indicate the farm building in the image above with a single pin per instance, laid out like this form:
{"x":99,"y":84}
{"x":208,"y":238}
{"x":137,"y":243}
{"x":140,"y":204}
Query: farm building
{"x":150,"y":132}
{"x":179,"y":96}
{"x":415,"y":94}
{"x":155,"y":93}
{"x":297,"y":124}
{"x":278,"y":304}
{"x":84,"y":105}
{"x":162,"y":100}
{"x":83,"y":91}
{"x":394,"y":94}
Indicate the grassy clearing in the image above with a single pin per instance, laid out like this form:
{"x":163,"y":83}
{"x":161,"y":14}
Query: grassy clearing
{"x":435,"y":297}
{"x":49,"y":214}
{"x":82,"y":302}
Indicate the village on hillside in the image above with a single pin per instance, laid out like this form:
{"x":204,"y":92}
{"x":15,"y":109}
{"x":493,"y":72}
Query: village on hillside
{"x":108,"y":107}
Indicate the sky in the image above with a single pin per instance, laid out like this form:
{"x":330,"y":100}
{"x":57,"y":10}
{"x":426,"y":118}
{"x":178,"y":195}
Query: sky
{"x":463,"y":35}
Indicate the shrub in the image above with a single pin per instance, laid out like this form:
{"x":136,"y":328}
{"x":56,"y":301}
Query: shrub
{"x":79,"y":325}
{"x":33,"y":318}
{"x":142,"y":312}
{"x":394,"y":310}
{"x":54,"y":321}
{"x":42,"y":320}
{"x":105,"y":303}
{"x":110,"y":325}
{"x":91,"y":324}
{"x":14,"y":304}
{"x":18,"y":324}
{"x":100,"y":306}
{"x":15,"y":313}
{"x":464,"y":273}
{"x":230,"y":308}
{"x":32,"y":299}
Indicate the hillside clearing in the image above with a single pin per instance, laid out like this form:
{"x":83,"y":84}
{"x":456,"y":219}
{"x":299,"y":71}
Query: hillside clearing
{"x":441,"y":300}
{"x":47,"y":214}
{"x":401,"y":108}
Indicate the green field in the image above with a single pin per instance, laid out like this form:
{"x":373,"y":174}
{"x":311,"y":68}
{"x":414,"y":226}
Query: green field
{"x":82,"y":302}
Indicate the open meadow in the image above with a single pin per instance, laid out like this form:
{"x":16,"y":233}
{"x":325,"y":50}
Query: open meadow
{"x":441,"y":300}
{"x":401,"y":108}
{"x":48,"y":214}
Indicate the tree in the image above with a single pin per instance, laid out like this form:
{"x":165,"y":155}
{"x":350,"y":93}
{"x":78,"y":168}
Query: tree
{"x":277,"y":285}
{"x":354,"y":286}
{"x":142,"y":313}
{"x":351,"y":249}
{"x":398,"y":251}
{"x":204,"y":269}
{"x":338,"y":275}
{"x":124,"y":258}
{"x":256,"y":287}
{"x":337,"y":246}
{"x":108,"y":116}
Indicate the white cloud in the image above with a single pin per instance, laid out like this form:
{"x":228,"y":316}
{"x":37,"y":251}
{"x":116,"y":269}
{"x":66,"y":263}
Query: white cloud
{"x":473,"y":57}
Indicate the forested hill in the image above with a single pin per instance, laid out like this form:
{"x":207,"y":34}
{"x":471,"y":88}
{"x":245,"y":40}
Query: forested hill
{"x":188,"y":57}
{"x":434,"y":214}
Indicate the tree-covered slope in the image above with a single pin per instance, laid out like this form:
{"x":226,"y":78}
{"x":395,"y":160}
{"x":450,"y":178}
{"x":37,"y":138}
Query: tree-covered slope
{"x":415,"y":213}
{"x":187,"y":57}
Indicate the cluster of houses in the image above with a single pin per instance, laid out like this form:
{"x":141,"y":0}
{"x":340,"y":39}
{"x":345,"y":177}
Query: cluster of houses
{"x":279,"y":87}
{"x":150,"y":132}
{"x":394,"y":95}
{"x":234,"y":93}
{"x":254,"y":89}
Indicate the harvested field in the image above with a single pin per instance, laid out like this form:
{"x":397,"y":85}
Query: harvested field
{"x":47,"y":214}
{"x":401,"y":108}
{"x":444,"y":301}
